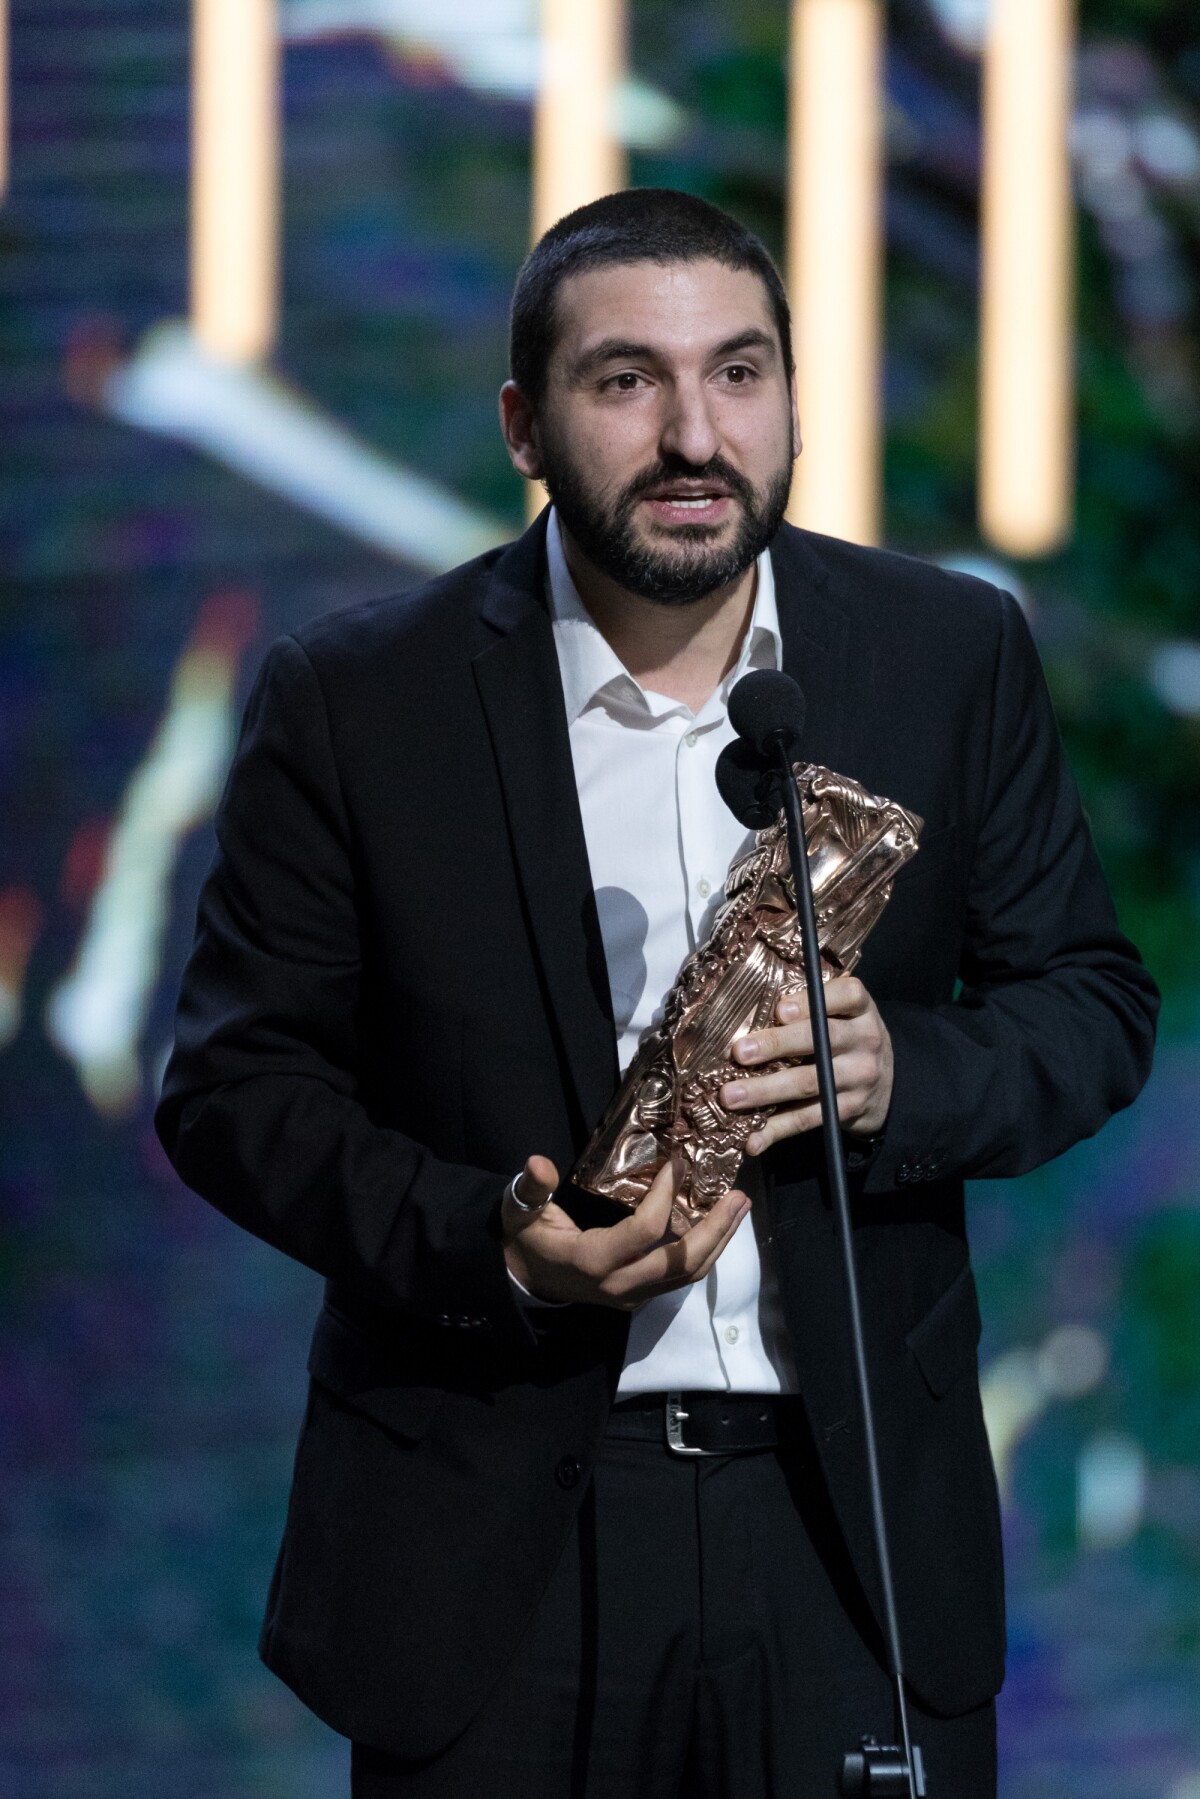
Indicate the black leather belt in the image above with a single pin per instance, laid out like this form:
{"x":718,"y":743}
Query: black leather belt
{"x":709,"y":1423}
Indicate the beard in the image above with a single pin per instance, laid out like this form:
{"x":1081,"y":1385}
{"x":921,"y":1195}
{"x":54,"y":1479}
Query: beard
{"x":694,"y":563}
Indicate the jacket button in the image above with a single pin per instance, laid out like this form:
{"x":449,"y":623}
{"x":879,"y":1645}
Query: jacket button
{"x":903,"y":1174}
{"x":568,"y":1472}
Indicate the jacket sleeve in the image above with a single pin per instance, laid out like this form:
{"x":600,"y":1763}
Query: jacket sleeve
{"x":1053,"y":1027}
{"x":260,"y":1110}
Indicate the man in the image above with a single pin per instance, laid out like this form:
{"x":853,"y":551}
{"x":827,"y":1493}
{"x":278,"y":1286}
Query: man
{"x":468,"y":839}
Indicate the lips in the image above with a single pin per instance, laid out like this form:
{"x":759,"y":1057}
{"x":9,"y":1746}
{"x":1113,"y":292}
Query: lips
{"x":693,"y":503}
{"x":680,"y":505}
{"x":678,"y":494}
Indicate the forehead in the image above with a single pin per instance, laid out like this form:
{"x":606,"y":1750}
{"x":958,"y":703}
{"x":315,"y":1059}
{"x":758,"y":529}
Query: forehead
{"x":679,"y":309}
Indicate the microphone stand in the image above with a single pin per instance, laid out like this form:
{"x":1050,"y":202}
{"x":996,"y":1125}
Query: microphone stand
{"x":871,"y":1771}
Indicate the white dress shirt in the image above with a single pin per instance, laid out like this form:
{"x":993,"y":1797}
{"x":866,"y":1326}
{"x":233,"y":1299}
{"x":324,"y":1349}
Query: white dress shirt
{"x":660,"y":840}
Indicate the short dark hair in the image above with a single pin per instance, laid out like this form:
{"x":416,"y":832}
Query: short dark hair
{"x":640,"y":224}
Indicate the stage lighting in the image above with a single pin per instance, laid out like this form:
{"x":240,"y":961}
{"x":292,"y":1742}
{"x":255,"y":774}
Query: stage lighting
{"x":235,"y":177}
{"x":577,"y":155}
{"x":833,"y":262}
{"x":1026,"y":474}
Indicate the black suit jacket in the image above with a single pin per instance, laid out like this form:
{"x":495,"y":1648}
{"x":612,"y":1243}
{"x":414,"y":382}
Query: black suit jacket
{"x":398,"y":992}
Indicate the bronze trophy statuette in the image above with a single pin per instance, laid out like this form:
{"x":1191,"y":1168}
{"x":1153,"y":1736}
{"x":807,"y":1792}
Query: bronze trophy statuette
{"x":668,"y":1107}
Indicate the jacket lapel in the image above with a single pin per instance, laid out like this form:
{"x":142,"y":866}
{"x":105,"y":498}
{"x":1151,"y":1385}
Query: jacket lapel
{"x":816,"y":645}
{"x":521,"y":693}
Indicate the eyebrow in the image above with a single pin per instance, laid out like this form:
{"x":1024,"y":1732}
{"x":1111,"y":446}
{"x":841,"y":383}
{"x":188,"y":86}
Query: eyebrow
{"x":751,"y":339}
{"x":619,"y":349}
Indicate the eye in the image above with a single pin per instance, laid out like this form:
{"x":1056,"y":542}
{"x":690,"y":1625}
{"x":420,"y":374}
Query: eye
{"x":624,"y":383}
{"x":738,"y":374}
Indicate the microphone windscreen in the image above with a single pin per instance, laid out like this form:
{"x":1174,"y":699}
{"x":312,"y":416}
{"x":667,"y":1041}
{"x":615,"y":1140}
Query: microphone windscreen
{"x":748,"y":785}
{"x":767,"y":707}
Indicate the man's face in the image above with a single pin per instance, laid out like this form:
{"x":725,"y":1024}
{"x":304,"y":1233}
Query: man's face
{"x":667,"y":431}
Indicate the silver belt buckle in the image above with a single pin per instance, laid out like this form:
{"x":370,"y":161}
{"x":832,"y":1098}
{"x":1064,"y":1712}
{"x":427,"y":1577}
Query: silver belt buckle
{"x":675,"y":1418}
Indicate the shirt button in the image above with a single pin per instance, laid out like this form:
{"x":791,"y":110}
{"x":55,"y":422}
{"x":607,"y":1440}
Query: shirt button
{"x":732,"y":1333}
{"x":568,"y":1472}
{"x":703,"y":888}
{"x":690,"y":740}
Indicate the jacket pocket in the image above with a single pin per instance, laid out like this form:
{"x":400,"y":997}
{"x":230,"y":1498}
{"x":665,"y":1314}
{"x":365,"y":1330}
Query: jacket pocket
{"x":946,"y":1340}
{"x":345,"y":1363}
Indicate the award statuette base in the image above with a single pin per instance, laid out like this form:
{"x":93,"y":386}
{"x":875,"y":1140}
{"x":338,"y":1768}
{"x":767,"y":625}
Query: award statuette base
{"x":668,"y":1107}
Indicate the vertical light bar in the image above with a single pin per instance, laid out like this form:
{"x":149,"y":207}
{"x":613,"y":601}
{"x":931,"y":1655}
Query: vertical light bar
{"x":5,"y":123}
{"x":1026,"y":476}
{"x":576,"y":155}
{"x":834,"y":261}
{"x":235,"y":177}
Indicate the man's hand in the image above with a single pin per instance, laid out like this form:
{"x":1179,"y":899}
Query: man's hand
{"x":619,"y":1265}
{"x":862,"y":1067}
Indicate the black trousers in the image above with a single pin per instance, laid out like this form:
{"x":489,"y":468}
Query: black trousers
{"x":703,"y":1637}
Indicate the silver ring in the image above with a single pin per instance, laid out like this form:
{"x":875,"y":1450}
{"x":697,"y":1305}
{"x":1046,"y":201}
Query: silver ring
{"x":529,"y":1211}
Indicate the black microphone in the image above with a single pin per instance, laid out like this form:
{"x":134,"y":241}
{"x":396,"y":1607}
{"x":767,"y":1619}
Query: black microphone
{"x":767,"y":710}
{"x":748,"y":784}
{"x":755,"y":779}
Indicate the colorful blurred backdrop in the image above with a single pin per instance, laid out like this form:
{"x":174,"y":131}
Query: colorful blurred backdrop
{"x":175,"y":495}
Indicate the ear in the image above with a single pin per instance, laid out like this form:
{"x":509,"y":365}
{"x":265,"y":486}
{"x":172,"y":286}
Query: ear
{"x":519,"y":426}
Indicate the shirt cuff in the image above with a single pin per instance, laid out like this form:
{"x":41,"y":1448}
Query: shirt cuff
{"x":526,"y":1298}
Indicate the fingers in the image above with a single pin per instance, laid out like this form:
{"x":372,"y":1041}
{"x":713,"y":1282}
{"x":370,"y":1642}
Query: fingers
{"x":677,"y":1264}
{"x":530,"y":1204}
{"x":853,"y":1024}
{"x":654,"y":1213}
{"x":795,"y":1120}
{"x":536,"y":1181}
{"x":709,"y":1248}
{"x":844,"y":997}
{"x":786,"y":1042}
{"x":619,"y":1265}
{"x":855,"y":1071}
{"x":780,"y":1073}
{"x":605,"y":1250}
{"x":784,"y":1086}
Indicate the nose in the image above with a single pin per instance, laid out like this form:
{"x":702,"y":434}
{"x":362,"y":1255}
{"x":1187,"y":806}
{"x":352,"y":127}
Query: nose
{"x":688,"y":430}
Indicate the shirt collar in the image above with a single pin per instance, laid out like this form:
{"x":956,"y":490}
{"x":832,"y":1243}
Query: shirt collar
{"x":589,"y":665}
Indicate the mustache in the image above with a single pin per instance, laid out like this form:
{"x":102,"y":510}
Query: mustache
{"x":677,"y":468}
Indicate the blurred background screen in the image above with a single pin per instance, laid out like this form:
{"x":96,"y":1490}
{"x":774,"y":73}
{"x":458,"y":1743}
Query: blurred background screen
{"x":255,"y":262}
